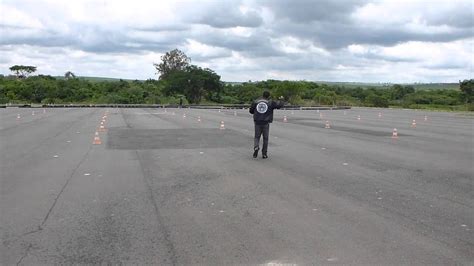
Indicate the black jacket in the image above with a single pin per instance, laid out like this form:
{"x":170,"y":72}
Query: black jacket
{"x":262,"y":110}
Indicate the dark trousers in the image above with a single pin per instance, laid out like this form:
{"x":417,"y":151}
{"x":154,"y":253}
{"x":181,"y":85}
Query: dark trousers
{"x":259,"y":130}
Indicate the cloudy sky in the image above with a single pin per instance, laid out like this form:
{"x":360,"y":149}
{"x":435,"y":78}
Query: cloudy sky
{"x":322,"y":40}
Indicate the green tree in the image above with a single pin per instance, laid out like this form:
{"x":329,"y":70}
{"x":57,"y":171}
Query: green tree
{"x":194,"y":83}
{"x":399,"y":91}
{"x":174,"y":60}
{"x":467,"y":88}
{"x":248,"y":92}
{"x":291,"y":90}
{"x":22,"y":71}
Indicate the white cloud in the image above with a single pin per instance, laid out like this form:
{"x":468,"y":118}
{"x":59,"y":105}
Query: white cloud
{"x":195,"y":49}
{"x":16,"y":18}
{"x":390,"y":12}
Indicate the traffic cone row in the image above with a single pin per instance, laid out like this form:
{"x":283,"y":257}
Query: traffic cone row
{"x":285,"y":120}
{"x":102,"y":128}
{"x":222,"y":125}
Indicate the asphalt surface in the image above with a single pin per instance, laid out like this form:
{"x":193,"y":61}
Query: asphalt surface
{"x":167,"y":190}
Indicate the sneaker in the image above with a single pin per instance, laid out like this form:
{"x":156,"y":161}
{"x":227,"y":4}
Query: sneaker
{"x":264,"y":156}
{"x":255,"y":153}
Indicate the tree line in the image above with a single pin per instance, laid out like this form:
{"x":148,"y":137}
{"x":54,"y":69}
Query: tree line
{"x":180,"y":80}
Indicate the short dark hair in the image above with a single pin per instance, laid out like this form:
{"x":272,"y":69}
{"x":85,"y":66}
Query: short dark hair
{"x":266,"y":94}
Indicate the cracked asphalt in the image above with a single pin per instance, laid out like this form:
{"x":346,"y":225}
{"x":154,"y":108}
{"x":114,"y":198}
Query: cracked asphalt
{"x":164,"y":189}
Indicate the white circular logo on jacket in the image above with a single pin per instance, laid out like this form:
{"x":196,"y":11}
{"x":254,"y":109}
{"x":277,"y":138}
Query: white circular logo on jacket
{"x":262,"y":107}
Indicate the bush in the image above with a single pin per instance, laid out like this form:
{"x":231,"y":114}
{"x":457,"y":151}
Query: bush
{"x":443,"y":100}
{"x":229,"y":100}
{"x":470,"y":107}
{"x":376,"y":101}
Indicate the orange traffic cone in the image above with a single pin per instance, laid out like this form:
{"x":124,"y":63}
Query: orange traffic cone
{"x":413,"y":124}
{"x":96,"y":139}
{"x":102,"y":127}
{"x":394,"y":134}
{"x":184,"y":115}
{"x":199,"y":119}
{"x":327,"y":124}
{"x":285,"y":119}
{"x":222,"y":125}
{"x":358,"y":117}
{"x":18,"y":116}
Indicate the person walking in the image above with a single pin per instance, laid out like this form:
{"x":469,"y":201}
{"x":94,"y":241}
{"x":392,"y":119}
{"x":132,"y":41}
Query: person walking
{"x":262,"y":110}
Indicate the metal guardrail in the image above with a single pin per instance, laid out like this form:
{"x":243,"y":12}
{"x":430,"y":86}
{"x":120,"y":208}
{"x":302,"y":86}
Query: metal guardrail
{"x":222,"y":106}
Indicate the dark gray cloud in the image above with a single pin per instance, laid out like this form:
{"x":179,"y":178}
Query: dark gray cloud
{"x":255,"y":45}
{"x":230,"y":19}
{"x":330,"y":23}
{"x":92,"y":39}
{"x":339,"y":35}
{"x":306,"y":11}
{"x":225,"y":14}
{"x":458,"y":14}
{"x":31,"y":36}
